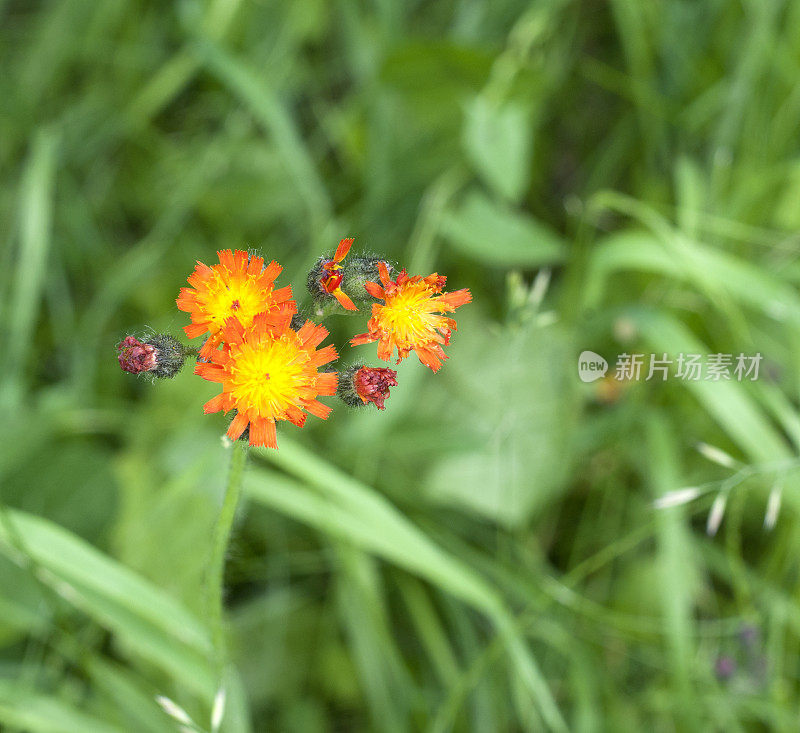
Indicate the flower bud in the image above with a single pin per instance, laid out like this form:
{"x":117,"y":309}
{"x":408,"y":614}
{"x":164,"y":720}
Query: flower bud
{"x":338,"y":279}
{"x":359,"y":272}
{"x":361,"y":384}
{"x":160,"y":356}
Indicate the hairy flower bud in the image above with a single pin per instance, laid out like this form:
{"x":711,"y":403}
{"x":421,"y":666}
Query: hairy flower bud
{"x":342,"y":279}
{"x":160,"y":356}
{"x":361,"y":384}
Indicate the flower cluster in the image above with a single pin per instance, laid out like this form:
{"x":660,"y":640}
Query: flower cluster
{"x":268,"y":359}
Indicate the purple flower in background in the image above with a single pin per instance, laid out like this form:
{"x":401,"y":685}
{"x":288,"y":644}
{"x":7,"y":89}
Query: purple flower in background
{"x":725,"y":667}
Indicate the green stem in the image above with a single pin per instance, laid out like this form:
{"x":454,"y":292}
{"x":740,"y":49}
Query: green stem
{"x":215,"y":578}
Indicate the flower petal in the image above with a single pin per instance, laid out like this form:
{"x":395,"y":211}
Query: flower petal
{"x":375,"y":290}
{"x":343,"y":249}
{"x":341,"y":296}
{"x":237,"y":426}
{"x":362,"y":338}
{"x":383,"y":273}
{"x":215,"y":404}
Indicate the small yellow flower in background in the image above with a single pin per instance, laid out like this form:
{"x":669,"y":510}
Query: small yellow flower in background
{"x":331,"y":282}
{"x":239,"y":287}
{"x":408,"y":320}
{"x":269,"y":372}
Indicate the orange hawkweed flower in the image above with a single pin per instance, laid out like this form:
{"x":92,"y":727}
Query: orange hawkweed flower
{"x":331,"y":281}
{"x":408,"y":320}
{"x":269,"y":372}
{"x":239,"y":287}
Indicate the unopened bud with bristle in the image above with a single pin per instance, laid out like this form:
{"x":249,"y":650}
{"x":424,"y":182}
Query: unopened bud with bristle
{"x":361,"y":270}
{"x":160,"y":356}
{"x":361,"y":384}
{"x":338,"y":278}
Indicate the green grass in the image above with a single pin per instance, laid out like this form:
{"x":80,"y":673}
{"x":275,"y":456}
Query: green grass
{"x":485,"y":554}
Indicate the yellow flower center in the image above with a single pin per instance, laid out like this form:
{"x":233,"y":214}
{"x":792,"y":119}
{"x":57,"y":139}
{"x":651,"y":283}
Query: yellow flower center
{"x":240,"y":297}
{"x":268,"y":376}
{"x":408,"y":316}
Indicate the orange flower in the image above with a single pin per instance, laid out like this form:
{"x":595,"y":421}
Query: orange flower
{"x":269,"y":372}
{"x":408,"y":320}
{"x":240,"y":286}
{"x":331,"y":281}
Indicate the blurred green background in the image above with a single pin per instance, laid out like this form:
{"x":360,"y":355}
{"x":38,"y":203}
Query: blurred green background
{"x":485,"y":555}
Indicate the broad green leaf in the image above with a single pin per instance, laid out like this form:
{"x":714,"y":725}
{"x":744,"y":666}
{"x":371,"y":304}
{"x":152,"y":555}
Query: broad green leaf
{"x":510,"y":463}
{"x":144,"y":618}
{"x":34,"y":244}
{"x":494,"y":235}
{"x":384,"y":677}
{"x":787,"y":212}
{"x":435,"y":69}
{"x":739,"y":279}
{"x":355,"y":512}
{"x":273,"y":645}
{"x":152,"y":535}
{"x":20,"y":707}
{"x":133,"y":706}
{"x":429,"y":629}
{"x":497,"y":140}
{"x":259,"y":95}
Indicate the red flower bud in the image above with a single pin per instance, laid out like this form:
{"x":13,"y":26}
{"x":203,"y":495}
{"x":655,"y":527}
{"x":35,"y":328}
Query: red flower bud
{"x":136,"y":357}
{"x":360,"y":384}
{"x":161,"y":356}
{"x":372,"y":384}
